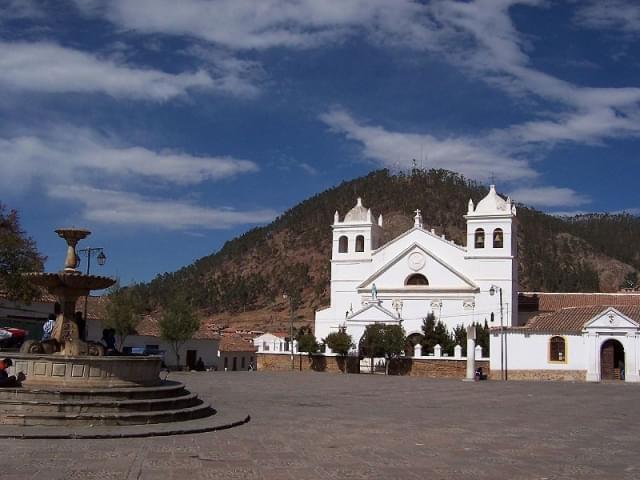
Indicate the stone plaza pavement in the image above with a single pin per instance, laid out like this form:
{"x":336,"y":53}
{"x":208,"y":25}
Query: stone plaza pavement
{"x":332,"y":426}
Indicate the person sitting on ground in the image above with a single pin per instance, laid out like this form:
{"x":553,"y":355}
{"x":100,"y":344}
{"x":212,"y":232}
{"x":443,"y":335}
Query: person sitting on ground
{"x":47,"y":328}
{"x":480,"y":374}
{"x":109,"y":341}
{"x":200,"y":365}
{"x":6,"y":380}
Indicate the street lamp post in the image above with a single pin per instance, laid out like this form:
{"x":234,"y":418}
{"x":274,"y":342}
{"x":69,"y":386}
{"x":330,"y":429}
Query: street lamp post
{"x":100,"y":257}
{"x":503,"y":370}
{"x":287,"y":297}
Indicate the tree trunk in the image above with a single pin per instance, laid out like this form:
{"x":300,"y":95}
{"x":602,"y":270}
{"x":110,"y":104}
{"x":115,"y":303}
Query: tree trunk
{"x":371,"y":366}
{"x":386,"y":366}
{"x":176,"y":351}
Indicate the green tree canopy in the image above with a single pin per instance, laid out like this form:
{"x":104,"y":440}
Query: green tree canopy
{"x":380,"y":340}
{"x":18,"y":255}
{"x":372,"y":341}
{"x":340,"y":342}
{"x":308,"y":343}
{"x":177,"y":325}
{"x":123,"y":312}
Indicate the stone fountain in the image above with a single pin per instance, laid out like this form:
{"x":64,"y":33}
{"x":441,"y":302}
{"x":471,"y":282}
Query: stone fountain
{"x":67,"y":286}
{"x":70,"y":381}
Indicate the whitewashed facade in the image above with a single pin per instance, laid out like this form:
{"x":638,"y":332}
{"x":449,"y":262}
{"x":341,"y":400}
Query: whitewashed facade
{"x":419,"y":272}
{"x":271,"y":343}
{"x":582,"y":346}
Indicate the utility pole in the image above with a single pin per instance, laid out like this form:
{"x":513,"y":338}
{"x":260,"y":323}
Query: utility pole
{"x":287,"y":297}
{"x":503,"y":343}
{"x":101,"y":258}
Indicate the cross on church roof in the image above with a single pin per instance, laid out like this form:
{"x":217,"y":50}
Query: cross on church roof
{"x":418,"y":219}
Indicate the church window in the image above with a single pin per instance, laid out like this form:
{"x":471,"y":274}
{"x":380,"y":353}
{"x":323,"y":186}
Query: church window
{"x":479,"y":238}
{"x":359,"y":243}
{"x":343,"y":244}
{"x":498,"y":238}
{"x":557,"y":349}
{"x":417,"y":279}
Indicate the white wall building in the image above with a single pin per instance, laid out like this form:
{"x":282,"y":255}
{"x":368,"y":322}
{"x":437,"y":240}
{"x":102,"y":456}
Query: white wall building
{"x":272,"y":343}
{"x":577,"y":343}
{"x":420,"y":272}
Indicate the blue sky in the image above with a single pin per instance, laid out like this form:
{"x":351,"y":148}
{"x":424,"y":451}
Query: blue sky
{"x":170,"y":127}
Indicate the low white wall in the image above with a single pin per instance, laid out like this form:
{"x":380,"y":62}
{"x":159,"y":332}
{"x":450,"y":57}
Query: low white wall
{"x":531,"y":352}
{"x":236,"y":361}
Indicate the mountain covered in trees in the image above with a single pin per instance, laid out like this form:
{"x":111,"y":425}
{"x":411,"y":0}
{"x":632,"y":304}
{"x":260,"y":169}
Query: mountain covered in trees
{"x":242,"y":285}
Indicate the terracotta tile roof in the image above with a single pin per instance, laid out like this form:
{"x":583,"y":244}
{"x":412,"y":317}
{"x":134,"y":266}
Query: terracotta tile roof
{"x":149,"y":326}
{"x":235,"y":343}
{"x":573,"y":319}
{"x":551,"y":302}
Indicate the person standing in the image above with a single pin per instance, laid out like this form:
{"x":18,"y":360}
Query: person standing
{"x":47,"y":328}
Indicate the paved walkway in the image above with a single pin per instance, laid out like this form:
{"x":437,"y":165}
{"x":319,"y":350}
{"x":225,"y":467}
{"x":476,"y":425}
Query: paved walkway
{"x":324,"y":426}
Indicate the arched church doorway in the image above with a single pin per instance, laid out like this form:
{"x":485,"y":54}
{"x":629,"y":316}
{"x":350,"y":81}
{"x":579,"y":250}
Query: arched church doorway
{"x":612,"y":360}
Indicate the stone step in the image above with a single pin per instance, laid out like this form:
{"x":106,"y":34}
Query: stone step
{"x":127,"y":418}
{"x":92,"y":405}
{"x":164,"y":390}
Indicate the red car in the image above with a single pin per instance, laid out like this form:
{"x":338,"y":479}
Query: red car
{"x":12,"y":337}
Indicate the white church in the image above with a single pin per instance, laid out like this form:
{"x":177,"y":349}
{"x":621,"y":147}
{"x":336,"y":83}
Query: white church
{"x":420,"y":272}
{"x":589,"y":337}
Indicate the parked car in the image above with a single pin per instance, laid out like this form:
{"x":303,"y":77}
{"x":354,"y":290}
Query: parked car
{"x":12,"y":337}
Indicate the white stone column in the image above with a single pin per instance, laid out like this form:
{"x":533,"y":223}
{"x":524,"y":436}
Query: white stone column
{"x":630,"y":361}
{"x":471,"y":349}
{"x":327,"y":350}
{"x":593,"y":357}
{"x":437,"y":351}
{"x":417,"y":350}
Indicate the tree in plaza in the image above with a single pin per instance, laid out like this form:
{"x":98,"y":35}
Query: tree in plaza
{"x":177,"y":325}
{"x":372,"y":342}
{"x":340,"y":342}
{"x":436,"y":333}
{"x":123,"y":312}
{"x":393,"y":343}
{"x":380,"y":340}
{"x":460,"y":338}
{"x":307,"y":342}
{"x":482,"y":338}
{"x":428,"y":327}
{"x":18,"y":255}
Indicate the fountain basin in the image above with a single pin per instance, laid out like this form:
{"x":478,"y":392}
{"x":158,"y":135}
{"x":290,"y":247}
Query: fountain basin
{"x":70,"y":280}
{"x":87,"y":372}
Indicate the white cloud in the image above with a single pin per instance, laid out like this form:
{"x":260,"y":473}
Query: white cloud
{"x":482,"y":38}
{"x":65,"y":153}
{"x":472,"y":157}
{"x":130,"y":209}
{"x":549,"y":197}
{"x":478,"y":36}
{"x":612,"y":15}
{"x":51,"y":68}
{"x":247,"y":24}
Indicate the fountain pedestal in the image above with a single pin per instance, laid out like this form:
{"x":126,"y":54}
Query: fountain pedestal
{"x":70,"y":381}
